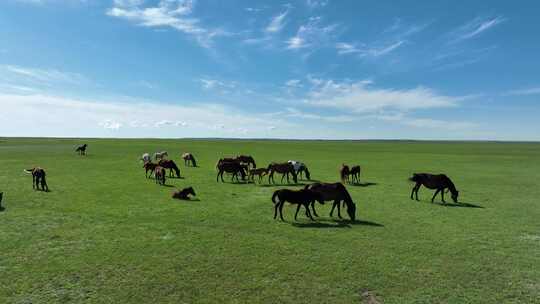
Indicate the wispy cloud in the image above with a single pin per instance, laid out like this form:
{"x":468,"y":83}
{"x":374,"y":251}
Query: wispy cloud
{"x":277,"y":23}
{"x":316,"y":3}
{"x":312,"y":34}
{"x":475,"y":27}
{"x":43,"y":76}
{"x":367,"y":51}
{"x":215,"y":84}
{"x":527,"y":91}
{"x":175,"y":14}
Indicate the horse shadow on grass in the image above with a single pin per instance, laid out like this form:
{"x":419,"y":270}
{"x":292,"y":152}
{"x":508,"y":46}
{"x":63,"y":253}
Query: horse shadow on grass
{"x":282,"y":185}
{"x":460,"y":205}
{"x":333,"y":223}
{"x":363,"y":184}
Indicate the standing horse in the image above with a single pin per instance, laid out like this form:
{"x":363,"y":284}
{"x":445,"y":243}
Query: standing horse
{"x":246,"y":159}
{"x":344,"y":173}
{"x":232,"y":167}
{"x":159,"y":175}
{"x":302,"y":197}
{"x":145,"y":158}
{"x":334,"y":192}
{"x":81,"y":149}
{"x":355,"y":173}
{"x":431,"y":181}
{"x":171,"y":165}
{"x":184,"y":193}
{"x":1,"y":195}
{"x":188,"y":157}
{"x":284,"y":169}
{"x":38,"y":178}
{"x":149,"y":166}
{"x":300,"y":168}
{"x":260,"y":172}
{"x":161,"y":155}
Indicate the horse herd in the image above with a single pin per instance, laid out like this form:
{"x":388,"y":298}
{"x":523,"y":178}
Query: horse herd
{"x":244,"y":166}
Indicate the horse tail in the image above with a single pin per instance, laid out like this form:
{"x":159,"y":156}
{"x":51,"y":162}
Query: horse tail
{"x":276,"y":193}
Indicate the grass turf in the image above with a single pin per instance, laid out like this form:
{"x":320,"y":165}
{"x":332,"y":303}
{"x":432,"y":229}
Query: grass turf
{"x":105,"y":234}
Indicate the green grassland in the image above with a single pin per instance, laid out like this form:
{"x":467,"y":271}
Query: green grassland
{"x":106,"y":234}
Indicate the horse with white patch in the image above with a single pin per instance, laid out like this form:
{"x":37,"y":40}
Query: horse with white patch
{"x":299,"y":168}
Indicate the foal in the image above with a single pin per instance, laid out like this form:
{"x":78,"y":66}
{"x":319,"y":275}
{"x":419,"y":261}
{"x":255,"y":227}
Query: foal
{"x":159,"y":175}
{"x":149,"y":166}
{"x":38,"y":178}
{"x":260,"y":172}
{"x":302,"y":197}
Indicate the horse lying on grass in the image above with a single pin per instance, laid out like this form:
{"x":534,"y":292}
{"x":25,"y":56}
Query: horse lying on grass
{"x":302,"y":197}
{"x":184,"y":193}
{"x":431,"y":181}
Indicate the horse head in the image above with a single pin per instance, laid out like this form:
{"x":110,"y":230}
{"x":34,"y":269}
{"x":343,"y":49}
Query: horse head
{"x":455,"y":195}
{"x":351,"y":210}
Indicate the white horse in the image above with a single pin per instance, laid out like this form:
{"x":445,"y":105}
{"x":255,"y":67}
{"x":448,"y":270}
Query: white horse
{"x":145,"y":158}
{"x":161,"y":155}
{"x":299,"y":167}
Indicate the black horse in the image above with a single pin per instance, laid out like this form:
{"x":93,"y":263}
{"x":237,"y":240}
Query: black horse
{"x":233,"y":167}
{"x":184,"y":193}
{"x":432,"y":181}
{"x":81,"y":149}
{"x":302,"y":197}
{"x":171,"y":165}
{"x":38,"y":178}
{"x":334,"y":192}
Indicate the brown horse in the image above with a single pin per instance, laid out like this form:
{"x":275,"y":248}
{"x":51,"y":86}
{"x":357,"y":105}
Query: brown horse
{"x":246,"y":159}
{"x":38,"y":178}
{"x":260,"y":172}
{"x":302,"y":197}
{"x":188,"y":157}
{"x":431,"y":181}
{"x":81,"y":149}
{"x":233,"y":167}
{"x":149,"y":166}
{"x":344,"y":173}
{"x":159,"y":175}
{"x":171,"y":165}
{"x":285,"y":169}
{"x":184,"y":193}
{"x":355,"y":173}
{"x":334,"y":192}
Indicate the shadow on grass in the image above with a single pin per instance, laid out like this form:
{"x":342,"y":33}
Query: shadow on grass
{"x":333,"y":223}
{"x":281,"y":185}
{"x":2,"y":208}
{"x":461,"y":205}
{"x":189,"y":200}
{"x":363,"y":184}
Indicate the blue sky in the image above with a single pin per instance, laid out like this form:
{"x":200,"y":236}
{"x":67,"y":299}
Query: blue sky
{"x":299,"y":69}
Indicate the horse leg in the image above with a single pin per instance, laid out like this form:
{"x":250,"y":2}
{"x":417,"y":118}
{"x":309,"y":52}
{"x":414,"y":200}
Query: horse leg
{"x":276,"y":206}
{"x":333,"y":207}
{"x":417,"y":188}
{"x":308,"y":214}
{"x":339,"y":209}
{"x":297,"y":209}
{"x":442,"y":195}
{"x":281,"y":210}
{"x":313,"y":208}
{"x":434,"y":195}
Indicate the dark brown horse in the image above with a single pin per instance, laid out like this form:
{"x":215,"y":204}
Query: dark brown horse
{"x":1,"y":195}
{"x":334,"y":192}
{"x":38,"y":178}
{"x":431,"y":181}
{"x":232,"y":167}
{"x":184,"y":193}
{"x":260,"y":172}
{"x":350,"y":174}
{"x":246,"y":159}
{"x":355,"y":174}
{"x":81,"y":149}
{"x":159,"y":175}
{"x":302,"y":197}
{"x":171,"y":165}
{"x":284,"y":168}
{"x":188,"y":157}
{"x":344,"y":173}
{"x":149,"y":167}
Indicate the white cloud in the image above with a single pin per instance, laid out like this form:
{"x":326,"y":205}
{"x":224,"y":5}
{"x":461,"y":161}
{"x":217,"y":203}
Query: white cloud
{"x":211,"y":84}
{"x":175,"y":14}
{"x":316,"y":3}
{"x":475,"y":27}
{"x":163,"y":123}
{"x":42,"y":76}
{"x":367,"y":51}
{"x":110,"y":124}
{"x":294,"y":83}
{"x":312,"y":34}
{"x":277,"y":23}
{"x":293,"y":112}
{"x":528,"y":91}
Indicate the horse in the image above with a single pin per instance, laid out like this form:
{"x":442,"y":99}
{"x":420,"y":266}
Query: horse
{"x":355,"y":173}
{"x":344,"y":173}
{"x":246,"y":159}
{"x":257,"y":171}
{"x":38,"y":178}
{"x":171,"y":165}
{"x":81,"y":149}
{"x":284,"y":169}
{"x":1,"y":195}
{"x":334,"y":192}
{"x":188,"y":157}
{"x":161,"y":155}
{"x":184,"y":193}
{"x":302,"y":197}
{"x":159,"y":175}
{"x":233,"y":167}
{"x":145,"y":158}
{"x":300,"y":168}
{"x":431,"y":181}
{"x":149,"y":166}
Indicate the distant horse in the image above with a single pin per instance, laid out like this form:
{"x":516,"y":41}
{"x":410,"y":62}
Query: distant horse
{"x":232,"y":167}
{"x":171,"y":165}
{"x":246,"y":159}
{"x":81,"y":149}
{"x":161,"y":155}
{"x":300,"y":168}
{"x":302,"y":197}
{"x":188,"y":157}
{"x":260,"y":172}
{"x":159,"y":175}
{"x":145,"y":158}
{"x":38,"y":178}
{"x":284,"y":168}
{"x":431,"y":181}
{"x":344,"y":173}
{"x":355,"y":173}
{"x":1,"y":195}
{"x":149,"y":167}
{"x":334,"y":192}
{"x":184,"y":193}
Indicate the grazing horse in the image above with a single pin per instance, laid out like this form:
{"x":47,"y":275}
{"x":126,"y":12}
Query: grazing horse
{"x":344,"y":173}
{"x":161,"y":155}
{"x":431,"y":181}
{"x":302,"y":197}
{"x":149,"y":166}
{"x":171,"y":165}
{"x":246,"y":159}
{"x":284,"y":169}
{"x":159,"y":175}
{"x":233,"y":167}
{"x":355,"y":173}
{"x":188,"y":157}
{"x":38,"y":178}
{"x":81,"y":149}
{"x":300,"y":168}
{"x":260,"y":172}
{"x":145,"y":158}
{"x":334,"y":192}
{"x":184,"y":193}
